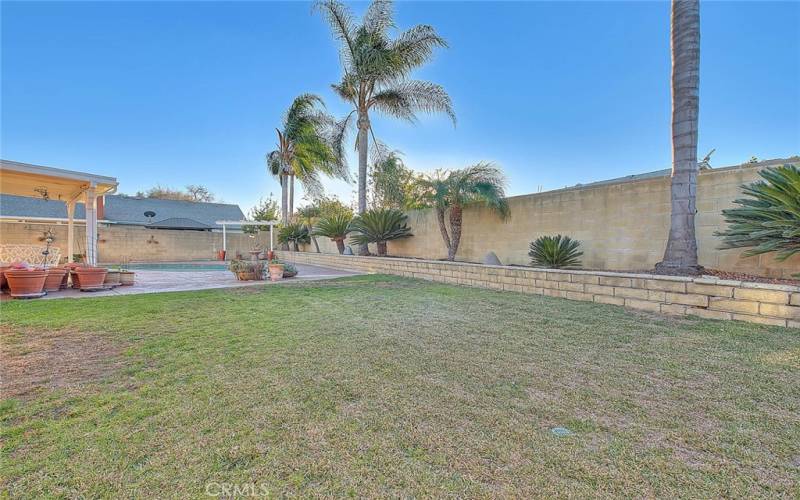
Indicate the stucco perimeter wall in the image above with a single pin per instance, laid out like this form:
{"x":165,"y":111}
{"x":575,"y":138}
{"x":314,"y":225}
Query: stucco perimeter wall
{"x":703,"y":297}
{"x":621,"y":226}
{"x":117,"y":243}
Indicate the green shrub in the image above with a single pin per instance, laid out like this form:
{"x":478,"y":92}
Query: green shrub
{"x":555,"y":252}
{"x":336,"y":227}
{"x":380,"y":226}
{"x":294,"y":233}
{"x":769,"y":219}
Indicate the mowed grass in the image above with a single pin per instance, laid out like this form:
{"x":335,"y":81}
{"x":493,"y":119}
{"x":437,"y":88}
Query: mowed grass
{"x":381,"y":386}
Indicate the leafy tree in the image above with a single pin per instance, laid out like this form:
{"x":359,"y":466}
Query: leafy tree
{"x":555,"y":252}
{"x":768,"y":220}
{"x":305,"y":151}
{"x":379,"y":226}
{"x":392,"y":183}
{"x":681,"y":251}
{"x":336,"y":227}
{"x":376,"y":70}
{"x":265,"y":210}
{"x":449,"y":192}
{"x":193,"y":192}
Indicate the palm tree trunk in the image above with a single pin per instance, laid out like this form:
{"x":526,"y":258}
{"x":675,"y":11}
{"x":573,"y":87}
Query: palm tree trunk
{"x":443,"y":228}
{"x":284,"y":200}
{"x":681,"y":251}
{"x":314,"y":239}
{"x":381,"y":248}
{"x":339,"y":246}
{"x":363,"y":147}
{"x":291,"y":195}
{"x":456,"y":215}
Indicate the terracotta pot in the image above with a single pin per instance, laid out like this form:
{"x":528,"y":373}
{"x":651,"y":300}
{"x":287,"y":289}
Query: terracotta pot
{"x":112,"y":278}
{"x":55,"y":275}
{"x":246,"y":276}
{"x":271,"y":255}
{"x":220,"y":254}
{"x":26,"y":283}
{"x":275,"y":272}
{"x":3,"y":282}
{"x":90,"y":278}
{"x":126,"y":278}
{"x":65,"y":278}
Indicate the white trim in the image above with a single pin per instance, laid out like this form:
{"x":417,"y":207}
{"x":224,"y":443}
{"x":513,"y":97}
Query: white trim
{"x":29,"y":168}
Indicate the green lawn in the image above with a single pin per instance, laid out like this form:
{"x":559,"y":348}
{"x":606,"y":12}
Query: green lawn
{"x":376,"y":386}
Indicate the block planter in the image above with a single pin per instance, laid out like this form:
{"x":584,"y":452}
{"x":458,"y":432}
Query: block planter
{"x":112,"y":278}
{"x":55,"y":276}
{"x":26,"y":283}
{"x":126,"y":278}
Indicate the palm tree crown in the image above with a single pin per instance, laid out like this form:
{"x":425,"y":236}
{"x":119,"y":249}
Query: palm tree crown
{"x":305,"y":150}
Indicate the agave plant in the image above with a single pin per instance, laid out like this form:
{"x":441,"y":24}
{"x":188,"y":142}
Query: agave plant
{"x":336,"y":227}
{"x":769,"y":220}
{"x":380,"y":226}
{"x":294,"y":233}
{"x":555,"y":252}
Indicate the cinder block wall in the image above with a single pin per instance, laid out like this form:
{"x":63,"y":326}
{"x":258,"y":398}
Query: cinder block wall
{"x":117,"y":243}
{"x":707,"y":298}
{"x":621,"y":226}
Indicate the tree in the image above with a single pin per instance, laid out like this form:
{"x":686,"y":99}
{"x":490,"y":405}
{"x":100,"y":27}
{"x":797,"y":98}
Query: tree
{"x":449,"y":192}
{"x":305,"y":151}
{"x":308,"y":216}
{"x":392,"y":183}
{"x":193,"y":193}
{"x":380,"y":226}
{"x":265,"y":210}
{"x":376,"y":71}
{"x":294,"y":233}
{"x":336,"y":227}
{"x":681,"y":251}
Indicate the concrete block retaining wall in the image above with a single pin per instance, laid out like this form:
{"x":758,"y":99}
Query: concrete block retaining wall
{"x":705,"y":297}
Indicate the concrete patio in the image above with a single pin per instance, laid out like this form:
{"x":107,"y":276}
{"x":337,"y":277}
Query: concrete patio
{"x":155,"y":281}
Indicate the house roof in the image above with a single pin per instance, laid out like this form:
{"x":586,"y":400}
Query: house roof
{"x":121,"y":209}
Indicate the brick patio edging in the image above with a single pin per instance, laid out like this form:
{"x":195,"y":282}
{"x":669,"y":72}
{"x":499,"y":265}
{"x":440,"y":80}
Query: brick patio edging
{"x":675,"y":295}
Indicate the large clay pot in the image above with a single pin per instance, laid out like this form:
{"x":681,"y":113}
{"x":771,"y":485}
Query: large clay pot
{"x":55,"y":275}
{"x":91,"y":278}
{"x":3,"y":282}
{"x":275,"y":272}
{"x":220,"y":254}
{"x":26,"y":283}
{"x":112,"y":278}
{"x":126,"y":278}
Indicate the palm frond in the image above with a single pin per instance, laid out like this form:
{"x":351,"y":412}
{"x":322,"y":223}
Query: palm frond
{"x":403,"y":100}
{"x":341,"y":21}
{"x":334,"y":227}
{"x":379,"y":16}
{"x":414,"y":47}
{"x":378,"y":226}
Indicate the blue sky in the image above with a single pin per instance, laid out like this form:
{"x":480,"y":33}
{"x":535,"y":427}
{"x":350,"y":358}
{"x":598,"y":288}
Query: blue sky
{"x":177,"y":93}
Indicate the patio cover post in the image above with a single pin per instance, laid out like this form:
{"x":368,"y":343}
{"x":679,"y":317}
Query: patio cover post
{"x":70,"y":230}
{"x":224,"y":240}
{"x":91,"y":225}
{"x":270,"y":238}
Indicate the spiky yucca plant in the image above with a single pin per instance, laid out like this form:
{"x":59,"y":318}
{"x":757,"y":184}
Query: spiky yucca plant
{"x":769,"y":220}
{"x":380,"y":226}
{"x":555,"y":252}
{"x":336,"y":227}
{"x":295,"y":233}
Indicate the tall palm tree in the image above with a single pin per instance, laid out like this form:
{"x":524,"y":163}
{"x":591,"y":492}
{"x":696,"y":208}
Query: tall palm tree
{"x":305,"y":150}
{"x":449,"y":192}
{"x":376,"y":74}
{"x":681,"y":251}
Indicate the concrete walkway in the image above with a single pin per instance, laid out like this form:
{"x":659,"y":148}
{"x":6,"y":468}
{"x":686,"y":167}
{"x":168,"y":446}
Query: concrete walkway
{"x":148,"y":281}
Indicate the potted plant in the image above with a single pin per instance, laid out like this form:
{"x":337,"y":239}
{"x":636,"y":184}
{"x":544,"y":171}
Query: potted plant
{"x":276,"y":268}
{"x":246,"y":271}
{"x":289,"y":271}
{"x":91,"y":277}
{"x":3,"y":282}
{"x":55,"y":275}
{"x":25,"y":281}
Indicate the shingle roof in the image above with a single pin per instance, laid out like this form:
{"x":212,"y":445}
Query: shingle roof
{"x":129,"y":210}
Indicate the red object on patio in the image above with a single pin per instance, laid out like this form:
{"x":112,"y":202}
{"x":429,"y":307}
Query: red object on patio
{"x":90,"y":278}
{"x":54,"y":277}
{"x":26,"y":283}
{"x":220,"y":254}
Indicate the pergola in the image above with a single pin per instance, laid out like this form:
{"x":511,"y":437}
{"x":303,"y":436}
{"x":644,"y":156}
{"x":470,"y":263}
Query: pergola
{"x":224,"y":223}
{"x":69,"y":186}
